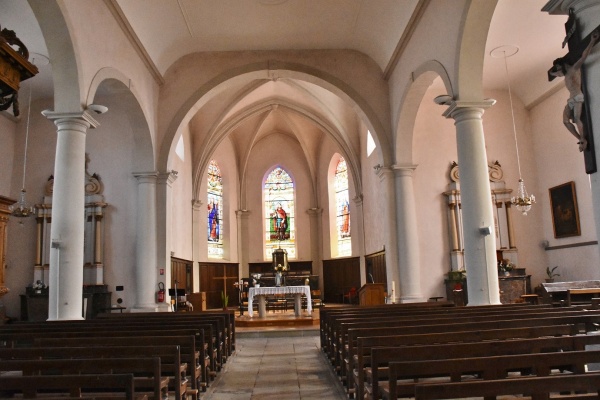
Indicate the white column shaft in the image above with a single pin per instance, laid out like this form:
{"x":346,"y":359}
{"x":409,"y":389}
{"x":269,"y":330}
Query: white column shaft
{"x":67,"y":231}
{"x":386,"y":176}
{"x":146,"y":255}
{"x":480,"y":249}
{"x":408,"y":236}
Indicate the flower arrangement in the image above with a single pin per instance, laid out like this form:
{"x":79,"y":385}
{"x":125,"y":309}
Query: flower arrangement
{"x":38,"y":285}
{"x":280,"y":268}
{"x":255,"y":279}
{"x":505,"y":265}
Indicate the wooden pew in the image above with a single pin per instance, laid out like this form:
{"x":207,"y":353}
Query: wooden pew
{"x":584,"y":319}
{"x":537,"y":388}
{"x":187,"y":345}
{"x":205,"y":331}
{"x":582,"y":296}
{"x":359,"y":362}
{"x":148,"y":379}
{"x":399,"y":383}
{"x":337,"y":332}
{"x":382,"y":356}
{"x":121,"y":386}
{"x":171,"y":365}
{"x":194,"y":355}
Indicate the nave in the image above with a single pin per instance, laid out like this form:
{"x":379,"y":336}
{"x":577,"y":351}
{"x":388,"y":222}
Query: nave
{"x":282,"y":365}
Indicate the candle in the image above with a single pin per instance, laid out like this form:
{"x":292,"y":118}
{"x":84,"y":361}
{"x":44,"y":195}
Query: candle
{"x":393,"y":288}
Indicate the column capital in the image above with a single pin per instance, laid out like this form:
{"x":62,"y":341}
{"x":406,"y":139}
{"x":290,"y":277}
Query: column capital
{"x":242,"y":213}
{"x":382,"y":171}
{"x":167,"y":177}
{"x":358,"y":200}
{"x":67,"y":117}
{"x":146,"y":177}
{"x":562,"y":7}
{"x":197,"y":205}
{"x":458,"y":108}
{"x":314,"y":212}
{"x":404,"y":170}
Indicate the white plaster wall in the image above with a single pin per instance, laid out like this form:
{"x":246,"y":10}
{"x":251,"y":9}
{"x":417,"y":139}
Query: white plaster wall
{"x":100,"y":42}
{"x":269,"y":152}
{"x":373,"y":201}
{"x":111,"y":149}
{"x":7,"y":139}
{"x":558,"y":162}
{"x":20,"y":256}
{"x":181,"y":197}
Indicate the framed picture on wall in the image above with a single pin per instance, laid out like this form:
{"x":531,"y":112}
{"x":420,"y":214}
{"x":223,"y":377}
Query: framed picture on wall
{"x":565,"y":214}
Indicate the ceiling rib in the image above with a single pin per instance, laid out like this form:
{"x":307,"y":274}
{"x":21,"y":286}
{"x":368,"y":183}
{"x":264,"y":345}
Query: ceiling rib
{"x":406,"y":35}
{"x":117,"y":12}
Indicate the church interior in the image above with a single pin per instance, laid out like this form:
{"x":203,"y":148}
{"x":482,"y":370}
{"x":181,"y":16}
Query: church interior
{"x":206,"y":147}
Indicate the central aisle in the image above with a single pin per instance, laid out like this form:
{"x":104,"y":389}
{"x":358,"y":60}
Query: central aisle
{"x":282,"y":368}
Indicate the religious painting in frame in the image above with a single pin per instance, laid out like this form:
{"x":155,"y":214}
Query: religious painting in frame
{"x":565,"y":213}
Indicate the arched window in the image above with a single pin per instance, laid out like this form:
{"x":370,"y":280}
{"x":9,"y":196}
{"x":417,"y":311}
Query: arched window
{"x":342,"y":207}
{"x":280,"y":231}
{"x":215,"y":211}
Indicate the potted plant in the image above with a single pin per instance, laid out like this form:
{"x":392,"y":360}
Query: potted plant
{"x":550,"y":274}
{"x":225,"y":300}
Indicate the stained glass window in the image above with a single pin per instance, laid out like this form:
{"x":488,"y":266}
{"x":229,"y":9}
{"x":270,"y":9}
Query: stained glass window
{"x":342,"y":206}
{"x":215,"y":211}
{"x":280,"y":231}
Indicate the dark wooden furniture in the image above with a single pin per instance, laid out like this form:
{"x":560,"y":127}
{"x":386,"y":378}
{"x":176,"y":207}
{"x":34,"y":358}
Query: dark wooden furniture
{"x":557,"y":293}
{"x":371,"y":294}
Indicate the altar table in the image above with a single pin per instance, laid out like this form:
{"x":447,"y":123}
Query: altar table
{"x":261,"y":292}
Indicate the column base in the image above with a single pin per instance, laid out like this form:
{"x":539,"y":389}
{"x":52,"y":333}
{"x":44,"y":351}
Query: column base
{"x":411,"y":299}
{"x":145,"y":308}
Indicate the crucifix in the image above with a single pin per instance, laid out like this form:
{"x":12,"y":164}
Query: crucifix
{"x":576,"y":115}
{"x":224,"y":279}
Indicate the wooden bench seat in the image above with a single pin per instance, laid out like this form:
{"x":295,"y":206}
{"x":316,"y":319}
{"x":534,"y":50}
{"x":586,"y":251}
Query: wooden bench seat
{"x":404,"y":376}
{"x":362,"y":359}
{"x":148,"y":379}
{"x":583,"y":320}
{"x":191,"y":353}
{"x":382,"y":356}
{"x":537,"y":388}
{"x":115,"y":386}
{"x":169,"y":355}
{"x":188,"y":354}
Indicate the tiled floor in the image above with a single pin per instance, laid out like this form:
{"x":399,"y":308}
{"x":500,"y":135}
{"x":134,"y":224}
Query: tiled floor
{"x":283,"y":368}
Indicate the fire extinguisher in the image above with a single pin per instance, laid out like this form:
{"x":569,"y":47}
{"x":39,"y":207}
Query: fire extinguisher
{"x":160,"y":296}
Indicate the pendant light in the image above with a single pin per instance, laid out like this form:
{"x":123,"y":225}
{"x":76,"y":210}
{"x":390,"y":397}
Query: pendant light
{"x":522,"y":201}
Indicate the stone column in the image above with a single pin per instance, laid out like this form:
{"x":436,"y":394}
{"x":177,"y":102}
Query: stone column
{"x":198,"y":219}
{"x":316,"y":240}
{"x":68,"y":222}
{"x":587,"y":14}
{"x":243,"y":243}
{"x":357,"y":223}
{"x":146,"y":254}
{"x":386,"y":176}
{"x":478,"y":217}
{"x":408,"y":235}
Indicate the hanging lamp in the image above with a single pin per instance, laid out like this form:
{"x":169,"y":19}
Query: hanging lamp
{"x":522,"y":201}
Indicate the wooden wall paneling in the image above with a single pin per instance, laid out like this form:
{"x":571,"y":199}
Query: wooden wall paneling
{"x":375,"y":264}
{"x":339,"y":276}
{"x":216,"y":278}
{"x":181,"y":271}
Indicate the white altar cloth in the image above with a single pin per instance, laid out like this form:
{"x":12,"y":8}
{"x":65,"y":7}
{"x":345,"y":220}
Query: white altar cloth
{"x":297,"y":291}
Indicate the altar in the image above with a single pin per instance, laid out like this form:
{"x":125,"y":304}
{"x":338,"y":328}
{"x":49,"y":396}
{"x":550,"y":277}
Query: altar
{"x":262,"y":292}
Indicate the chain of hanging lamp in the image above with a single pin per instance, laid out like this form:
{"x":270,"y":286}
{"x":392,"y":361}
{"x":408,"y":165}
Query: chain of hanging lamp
{"x":21,"y":209}
{"x":522,"y":201}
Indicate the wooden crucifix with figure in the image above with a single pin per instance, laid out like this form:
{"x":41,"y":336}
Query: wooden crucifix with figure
{"x":576,"y":114}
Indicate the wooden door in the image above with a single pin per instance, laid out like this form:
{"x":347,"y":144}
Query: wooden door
{"x":181,"y":274}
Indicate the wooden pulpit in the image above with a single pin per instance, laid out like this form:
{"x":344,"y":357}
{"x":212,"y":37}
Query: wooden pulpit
{"x":371,"y":294}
